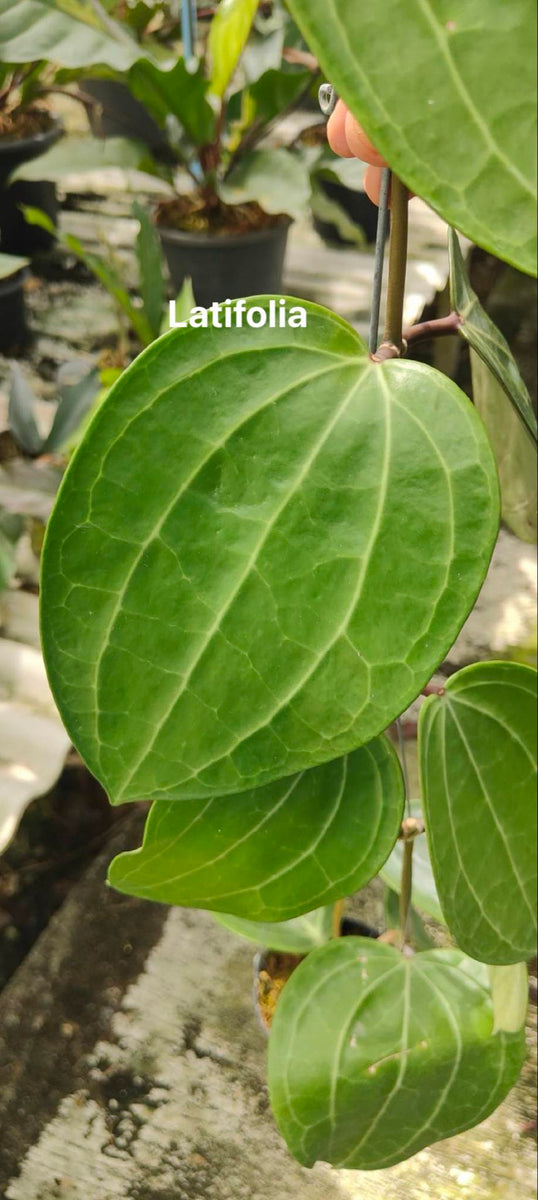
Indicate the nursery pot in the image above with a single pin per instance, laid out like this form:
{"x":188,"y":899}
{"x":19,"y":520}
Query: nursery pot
{"x":359,"y":208}
{"x":273,"y":968}
{"x":119,"y":114}
{"x":16,"y":236}
{"x":13,"y":324}
{"x":226,"y":267}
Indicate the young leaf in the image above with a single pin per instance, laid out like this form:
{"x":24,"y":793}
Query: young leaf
{"x":424,"y":890}
{"x":277,"y":852}
{"x":510,"y":996}
{"x":151,"y":268}
{"x":259,"y":555}
{"x":477,"y":754}
{"x":298,"y":936}
{"x":514,"y":451}
{"x":21,"y":414}
{"x":276,"y":179}
{"x":75,"y":402}
{"x":228,"y":35}
{"x":419,"y":78}
{"x":483,"y":336}
{"x":373,"y":1056}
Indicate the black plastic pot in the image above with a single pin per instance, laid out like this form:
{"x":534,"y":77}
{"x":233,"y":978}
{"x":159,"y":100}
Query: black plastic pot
{"x":16,"y":236}
{"x":13,"y":324}
{"x":119,"y":114}
{"x":359,"y":208}
{"x":226,"y":268}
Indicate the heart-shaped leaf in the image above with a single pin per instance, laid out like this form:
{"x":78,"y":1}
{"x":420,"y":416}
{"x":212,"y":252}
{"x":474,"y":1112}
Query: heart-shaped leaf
{"x":277,"y":852}
{"x":260,"y":553}
{"x":477,"y":758}
{"x":373,"y":1056}
{"x":299,"y":936}
{"x":424,"y":890}
{"x":447,"y":93}
{"x":485,"y":338}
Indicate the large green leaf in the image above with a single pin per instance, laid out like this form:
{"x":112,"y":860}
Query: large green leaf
{"x":483,"y":336}
{"x":477,"y":757}
{"x":276,"y":179}
{"x":177,"y":92}
{"x":260,"y":553}
{"x":446,"y":89}
{"x":424,"y":890}
{"x":299,"y":936}
{"x":514,"y":451}
{"x":69,"y":32}
{"x":277,"y":852}
{"x":228,"y":35}
{"x":373,"y":1056}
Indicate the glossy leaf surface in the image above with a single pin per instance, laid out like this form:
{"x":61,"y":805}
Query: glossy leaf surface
{"x":373,"y":1056}
{"x":230,"y":574}
{"x":514,"y":451}
{"x":477,"y":758}
{"x":299,"y":936}
{"x":279,"y":851}
{"x":486,"y":339}
{"x":447,"y":93}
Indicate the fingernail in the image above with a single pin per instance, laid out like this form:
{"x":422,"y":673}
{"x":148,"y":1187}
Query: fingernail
{"x":328,"y":99}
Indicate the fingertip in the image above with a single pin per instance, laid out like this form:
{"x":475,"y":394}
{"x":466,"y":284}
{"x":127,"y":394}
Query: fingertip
{"x":372,"y":183}
{"x":336,"y":131}
{"x":359,"y":142}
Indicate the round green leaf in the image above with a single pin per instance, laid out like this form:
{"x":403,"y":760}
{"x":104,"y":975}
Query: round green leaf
{"x":261,"y":551}
{"x":277,"y":852}
{"x":447,"y":93}
{"x":477,"y":759}
{"x":373,"y":1056}
{"x":424,"y":890}
{"x":299,"y":936}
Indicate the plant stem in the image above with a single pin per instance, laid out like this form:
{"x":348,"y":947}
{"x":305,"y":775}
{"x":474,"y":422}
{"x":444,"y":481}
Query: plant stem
{"x":441,"y":327}
{"x":338,"y":909}
{"x":397,"y":265}
{"x":406,"y":889}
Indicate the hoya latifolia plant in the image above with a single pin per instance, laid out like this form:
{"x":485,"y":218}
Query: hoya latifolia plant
{"x":262,"y":550}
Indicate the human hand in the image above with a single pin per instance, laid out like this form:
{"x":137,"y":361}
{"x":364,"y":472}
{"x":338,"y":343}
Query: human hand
{"x":348,"y":139}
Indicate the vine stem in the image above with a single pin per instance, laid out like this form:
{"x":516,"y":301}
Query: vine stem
{"x":338,"y":909}
{"x":406,"y":889}
{"x":397,"y":265}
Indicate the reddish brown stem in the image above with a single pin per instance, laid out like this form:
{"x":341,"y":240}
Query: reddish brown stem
{"x":442,"y":327}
